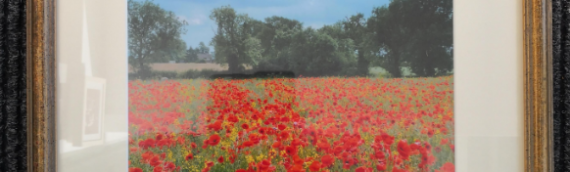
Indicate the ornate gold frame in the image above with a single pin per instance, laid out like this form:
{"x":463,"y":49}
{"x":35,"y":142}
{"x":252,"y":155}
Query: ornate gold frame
{"x":41,"y":85}
{"x":537,"y":23}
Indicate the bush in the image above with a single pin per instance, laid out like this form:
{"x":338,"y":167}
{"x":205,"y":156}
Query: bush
{"x":194,"y":74}
{"x":190,"y":74}
{"x":163,"y":74}
{"x":153,"y":75}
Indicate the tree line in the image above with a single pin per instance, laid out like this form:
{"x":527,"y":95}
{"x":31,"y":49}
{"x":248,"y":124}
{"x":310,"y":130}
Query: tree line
{"x":412,"y":34}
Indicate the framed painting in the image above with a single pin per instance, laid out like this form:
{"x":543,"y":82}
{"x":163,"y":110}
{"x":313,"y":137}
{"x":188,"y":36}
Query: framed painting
{"x":389,"y":85}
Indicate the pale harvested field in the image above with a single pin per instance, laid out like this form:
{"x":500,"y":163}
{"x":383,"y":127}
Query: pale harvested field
{"x":183,"y":67}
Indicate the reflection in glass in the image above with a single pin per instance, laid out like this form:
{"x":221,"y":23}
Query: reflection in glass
{"x":92,"y":81}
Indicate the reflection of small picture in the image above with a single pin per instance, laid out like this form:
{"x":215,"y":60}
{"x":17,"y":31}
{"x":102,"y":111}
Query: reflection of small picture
{"x":92,"y":112}
{"x":93,"y":109}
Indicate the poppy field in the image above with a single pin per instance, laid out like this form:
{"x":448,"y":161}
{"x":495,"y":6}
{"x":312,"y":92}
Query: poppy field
{"x":326,"y":124}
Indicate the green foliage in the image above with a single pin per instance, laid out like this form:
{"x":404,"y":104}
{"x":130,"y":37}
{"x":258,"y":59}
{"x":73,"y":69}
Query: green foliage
{"x":154,"y":35}
{"x":356,"y":29}
{"x":192,"y":53}
{"x":194,"y":74}
{"x":404,"y":38}
{"x":190,"y":74}
{"x":154,"y":75}
{"x":413,"y":33}
{"x":233,"y":41}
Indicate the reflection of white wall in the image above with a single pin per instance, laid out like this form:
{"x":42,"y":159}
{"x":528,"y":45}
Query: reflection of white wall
{"x":61,"y":72}
{"x":92,"y":42}
{"x":85,"y":50}
{"x":488,"y":85}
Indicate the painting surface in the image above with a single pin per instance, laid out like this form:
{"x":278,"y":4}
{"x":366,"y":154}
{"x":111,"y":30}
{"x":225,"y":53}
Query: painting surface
{"x":291,"y":85}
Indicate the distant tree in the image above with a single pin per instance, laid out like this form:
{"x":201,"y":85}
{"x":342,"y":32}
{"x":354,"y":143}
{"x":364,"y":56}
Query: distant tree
{"x":176,"y":52}
{"x":154,"y":35}
{"x":233,"y":41}
{"x":191,"y":55}
{"x":203,"y":49}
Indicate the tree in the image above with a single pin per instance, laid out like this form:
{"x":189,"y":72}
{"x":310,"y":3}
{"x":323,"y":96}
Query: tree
{"x":416,"y":33}
{"x":316,"y":53}
{"x":389,"y":32}
{"x":344,"y":53}
{"x":154,"y":35}
{"x":233,"y":41}
{"x":432,"y":41}
{"x":203,"y":49}
{"x":191,"y":55}
{"x":357,"y":30}
{"x":276,"y":37}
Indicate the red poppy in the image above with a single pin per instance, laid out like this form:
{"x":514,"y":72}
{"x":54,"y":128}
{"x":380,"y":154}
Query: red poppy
{"x":381,"y":167}
{"x":443,"y":141}
{"x":281,"y":127}
{"x":133,"y":149}
{"x":216,"y":126}
{"x":301,"y":116}
{"x":155,"y":161}
{"x":387,"y":139}
{"x":159,"y":137}
{"x":189,"y":156}
{"x":447,"y":167}
{"x":327,"y":160}
{"x":135,"y":169}
{"x":157,"y":169}
{"x":404,"y":149}
{"x":221,"y":159}
{"x":169,"y":166}
{"x":427,"y":146}
{"x":209,"y":164}
{"x":233,"y":118}
{"x":361,"y":169}
{"x":276,"y":145}
{"x":396,"y":169}
{"x":262,"y":131}
{"x":264,"y":165}
{"x":214,"y":140}
{"x":296,"y":168}
{"x":290,"y":150}
{"x":284,"y":135}
{"x":315,"y":166}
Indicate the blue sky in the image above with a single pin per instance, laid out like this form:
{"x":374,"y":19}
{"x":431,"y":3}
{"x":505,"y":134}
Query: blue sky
{"x":314,"y":13}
